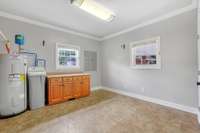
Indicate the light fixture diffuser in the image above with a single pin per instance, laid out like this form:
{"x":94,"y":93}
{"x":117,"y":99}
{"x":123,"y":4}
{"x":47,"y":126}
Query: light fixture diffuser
{"x":95,"y":9}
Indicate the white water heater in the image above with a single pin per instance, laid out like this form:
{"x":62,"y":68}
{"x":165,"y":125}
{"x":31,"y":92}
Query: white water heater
{"x":13,"y":93}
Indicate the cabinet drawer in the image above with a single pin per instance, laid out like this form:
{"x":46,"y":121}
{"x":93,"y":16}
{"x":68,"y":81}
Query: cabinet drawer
{"x":85,"y":77}
{"x":55,"y":80}
{"x":77,"y":78}
{"x":68,"y":82}
{"x":66,"y":79}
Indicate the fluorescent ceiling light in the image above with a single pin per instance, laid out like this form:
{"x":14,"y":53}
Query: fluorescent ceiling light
{"x":95,"y":9}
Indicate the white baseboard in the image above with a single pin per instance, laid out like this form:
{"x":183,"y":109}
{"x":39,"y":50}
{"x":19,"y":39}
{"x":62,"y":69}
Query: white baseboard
{"x":96,"y":88}
{"x":155,"y":100}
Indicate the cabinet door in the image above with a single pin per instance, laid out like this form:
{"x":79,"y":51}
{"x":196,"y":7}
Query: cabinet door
{"x":85,"y":85}
{"x":55,"y":90}
{"x":67,"y":88}
{"x":77,"y":87}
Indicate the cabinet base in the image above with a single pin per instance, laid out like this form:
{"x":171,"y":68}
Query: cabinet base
{"x":63,"y":101}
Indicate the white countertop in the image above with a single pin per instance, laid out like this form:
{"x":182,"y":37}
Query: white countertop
{"x":53,"y":75}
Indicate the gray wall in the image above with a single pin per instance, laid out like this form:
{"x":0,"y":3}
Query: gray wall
{"x":176,"y":81}
{"x":34,"y":36}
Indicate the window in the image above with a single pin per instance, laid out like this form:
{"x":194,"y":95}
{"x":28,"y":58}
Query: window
{"x":67,"y":56}
{"x":145,"y":54}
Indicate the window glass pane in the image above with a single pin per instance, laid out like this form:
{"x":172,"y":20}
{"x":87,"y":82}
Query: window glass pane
{"x":145,"y":54}
{"x":71,"y":61}
{"x":68,"y":57}
{"x":73,"y":53}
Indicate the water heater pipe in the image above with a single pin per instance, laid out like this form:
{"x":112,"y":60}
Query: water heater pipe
{"x":7,"y":42}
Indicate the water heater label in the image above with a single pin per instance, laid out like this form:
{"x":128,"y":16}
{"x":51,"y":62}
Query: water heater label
{"x":22,"y":77}
{"x":16,"y":77}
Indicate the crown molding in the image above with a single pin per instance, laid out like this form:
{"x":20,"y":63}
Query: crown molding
{"x":194,"y":5}
{"x":45,"y":25}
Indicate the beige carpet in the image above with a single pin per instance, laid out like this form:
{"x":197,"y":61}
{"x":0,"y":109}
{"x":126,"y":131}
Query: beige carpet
{"x":121,"y":114}
{"x":36,"y":117}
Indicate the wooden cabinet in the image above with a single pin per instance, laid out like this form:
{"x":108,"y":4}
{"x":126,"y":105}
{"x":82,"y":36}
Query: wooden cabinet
{"x":77,"y":87}
{"x":55,"y":90}
{"x":64,"y":87}
{"x":85,"y":86}
{"x":67,"y":88}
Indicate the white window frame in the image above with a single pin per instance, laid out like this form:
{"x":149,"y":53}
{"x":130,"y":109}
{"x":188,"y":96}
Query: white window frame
{"x":143,"y":42}
{"x":70,"y":47}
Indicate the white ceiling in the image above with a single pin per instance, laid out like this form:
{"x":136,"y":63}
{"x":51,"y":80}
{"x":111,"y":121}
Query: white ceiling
{"x":60,"y":13}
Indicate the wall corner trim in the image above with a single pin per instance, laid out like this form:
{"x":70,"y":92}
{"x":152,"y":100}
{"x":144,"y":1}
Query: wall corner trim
{"x":154,"y":100}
